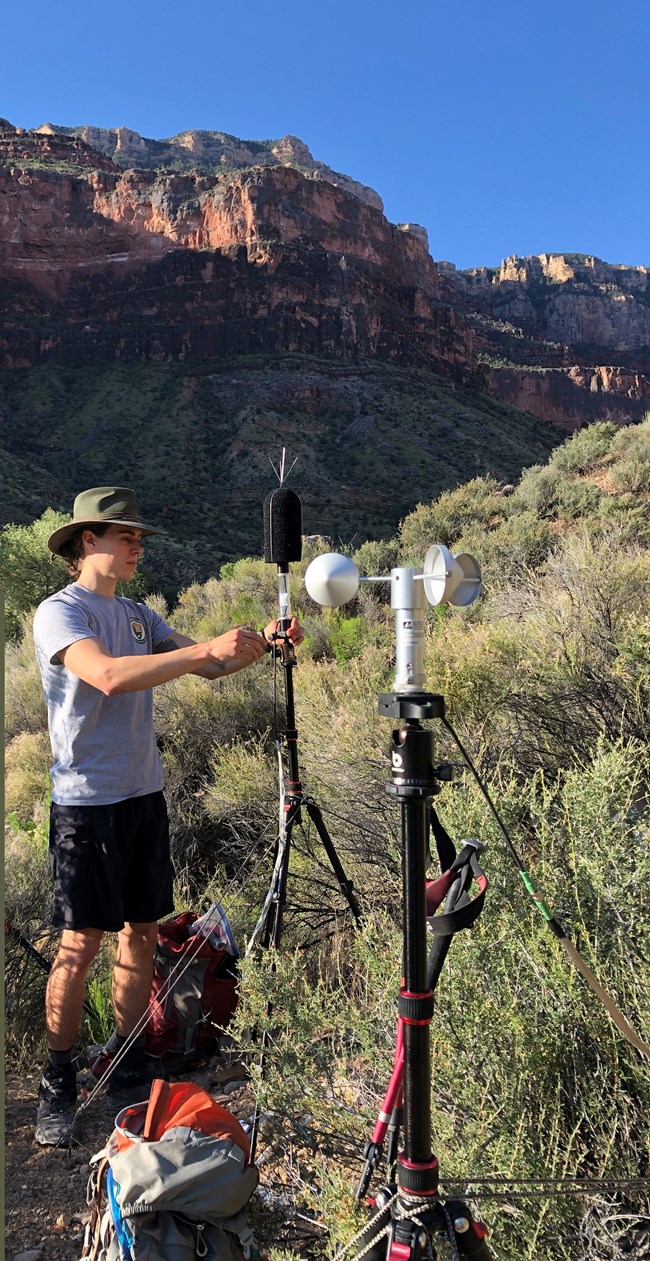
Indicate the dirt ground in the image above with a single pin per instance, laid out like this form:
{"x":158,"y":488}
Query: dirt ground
{"x":45,"y":1188}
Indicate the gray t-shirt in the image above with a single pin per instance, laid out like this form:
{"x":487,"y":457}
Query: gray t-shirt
{"x":104,"y":747}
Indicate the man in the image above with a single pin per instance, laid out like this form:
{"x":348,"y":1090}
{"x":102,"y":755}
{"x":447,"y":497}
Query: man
{"x":100,"y":655}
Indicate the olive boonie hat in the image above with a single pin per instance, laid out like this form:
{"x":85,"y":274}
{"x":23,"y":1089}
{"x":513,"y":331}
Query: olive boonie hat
{"x":108,"y":505}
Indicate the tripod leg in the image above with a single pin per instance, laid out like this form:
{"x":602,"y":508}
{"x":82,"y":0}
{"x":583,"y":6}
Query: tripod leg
{"x":271,"y":937}
{"x":390,"y":1129}
{"x":346,"y":886}
{"x":273,"y":926}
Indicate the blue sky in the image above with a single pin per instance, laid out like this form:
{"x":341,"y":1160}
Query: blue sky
{"x":503,"y":127}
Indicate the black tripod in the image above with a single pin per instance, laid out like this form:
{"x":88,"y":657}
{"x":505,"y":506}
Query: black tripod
{"x":294,"y":802}
{"x":409,"y":1213}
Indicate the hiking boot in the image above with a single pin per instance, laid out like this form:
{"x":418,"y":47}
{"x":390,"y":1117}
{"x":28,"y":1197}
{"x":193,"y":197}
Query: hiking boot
{"x":57,"y":1102}
{"x":130,"y":1080}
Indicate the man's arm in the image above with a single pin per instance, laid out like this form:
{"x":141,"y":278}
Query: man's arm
{"x":91,"y":661}
{"x":216,"y":670}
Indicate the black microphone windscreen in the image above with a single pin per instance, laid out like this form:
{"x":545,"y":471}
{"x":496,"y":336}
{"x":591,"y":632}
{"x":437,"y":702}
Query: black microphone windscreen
{"x":282,"y":527}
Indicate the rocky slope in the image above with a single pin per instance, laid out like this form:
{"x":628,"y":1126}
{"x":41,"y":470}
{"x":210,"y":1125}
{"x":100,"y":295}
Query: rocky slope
{"x":197,"y":439}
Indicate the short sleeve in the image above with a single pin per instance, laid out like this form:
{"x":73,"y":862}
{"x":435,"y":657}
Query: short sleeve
{"x":160,"y":630}
{"x":57,"y":625}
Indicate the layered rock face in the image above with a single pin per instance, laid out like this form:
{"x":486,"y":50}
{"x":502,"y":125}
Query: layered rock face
{"x":247,"y":246}
{"x":140,"y":264}
{"x":564,"y":336}
{"x":209,"y":151}
{"x":573,"y":396}
{"x":564,"y":298}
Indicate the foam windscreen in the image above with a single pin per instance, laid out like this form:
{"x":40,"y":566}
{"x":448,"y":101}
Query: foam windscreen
{"x":282,"y":527}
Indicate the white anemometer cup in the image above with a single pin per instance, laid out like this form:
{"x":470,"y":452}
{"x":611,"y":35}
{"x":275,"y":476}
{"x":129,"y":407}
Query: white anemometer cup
{"x":445,"y":578}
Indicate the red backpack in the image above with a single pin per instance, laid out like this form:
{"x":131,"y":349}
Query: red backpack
{"x":196,"y":1007}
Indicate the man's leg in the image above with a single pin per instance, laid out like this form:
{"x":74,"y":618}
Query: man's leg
{"x":132,"y":1074}
{"x":63,"y":1007}
{"x":133,"y":974}
{"x":142,"y":832}
{"x":64,"y":998}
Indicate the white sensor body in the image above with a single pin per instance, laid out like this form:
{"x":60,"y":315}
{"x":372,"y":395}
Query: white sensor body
{"x":446,"y":578}
{"x":408,"y":599}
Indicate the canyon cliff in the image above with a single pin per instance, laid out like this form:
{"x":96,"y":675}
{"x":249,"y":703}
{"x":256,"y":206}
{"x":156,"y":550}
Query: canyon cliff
{"x":564,"y":336}
{"x":174,"y":310}
{"x":118,"y":247}
{"x":139,"y":264}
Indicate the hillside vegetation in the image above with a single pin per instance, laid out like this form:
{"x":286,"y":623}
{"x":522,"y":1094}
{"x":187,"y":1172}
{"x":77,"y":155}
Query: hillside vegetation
{"x":196,"y":439}
{"x":547,"y":681}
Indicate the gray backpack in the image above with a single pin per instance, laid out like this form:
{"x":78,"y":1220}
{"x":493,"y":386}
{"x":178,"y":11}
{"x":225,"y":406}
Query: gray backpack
{"x":172,"y":1182}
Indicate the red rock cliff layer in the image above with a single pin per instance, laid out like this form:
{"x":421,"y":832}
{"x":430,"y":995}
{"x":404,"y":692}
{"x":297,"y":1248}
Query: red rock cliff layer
{"x":100,"y":262}
{"x":259,"y":259}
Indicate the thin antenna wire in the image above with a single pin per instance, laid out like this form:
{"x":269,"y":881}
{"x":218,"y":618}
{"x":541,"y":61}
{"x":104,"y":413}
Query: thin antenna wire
{"x":280,"y":472}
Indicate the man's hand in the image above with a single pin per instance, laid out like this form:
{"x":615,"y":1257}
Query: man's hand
{"x":233,"y":651}
{"x":91,"y":661}
{"x":239,"y":648}
{"x":295,"y":633}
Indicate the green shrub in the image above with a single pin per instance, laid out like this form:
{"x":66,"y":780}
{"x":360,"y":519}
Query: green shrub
{"x":28,"y":758}
{"x":631,"y":473}
{"x":448,"y":517}
{"x":200,"y":612}
{"x":25,"y":708}
{"x":346,"y":635}
{"x":584,"y":450}
{"x":578,"y":500}
{"x":522,"y":541}
{"x":377,"y":557}
{"x":539,"y":491}
{"x":246,"y":594}
{"x":193,"y":718}
{"x":28,"y":571}
{"x":637,"y":433}
{"x":628,"y":516}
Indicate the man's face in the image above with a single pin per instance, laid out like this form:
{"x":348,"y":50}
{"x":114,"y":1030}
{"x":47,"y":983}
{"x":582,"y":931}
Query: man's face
{"x":116,"y":553}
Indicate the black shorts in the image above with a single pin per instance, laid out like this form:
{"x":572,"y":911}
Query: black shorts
{"x":111,"y":864}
